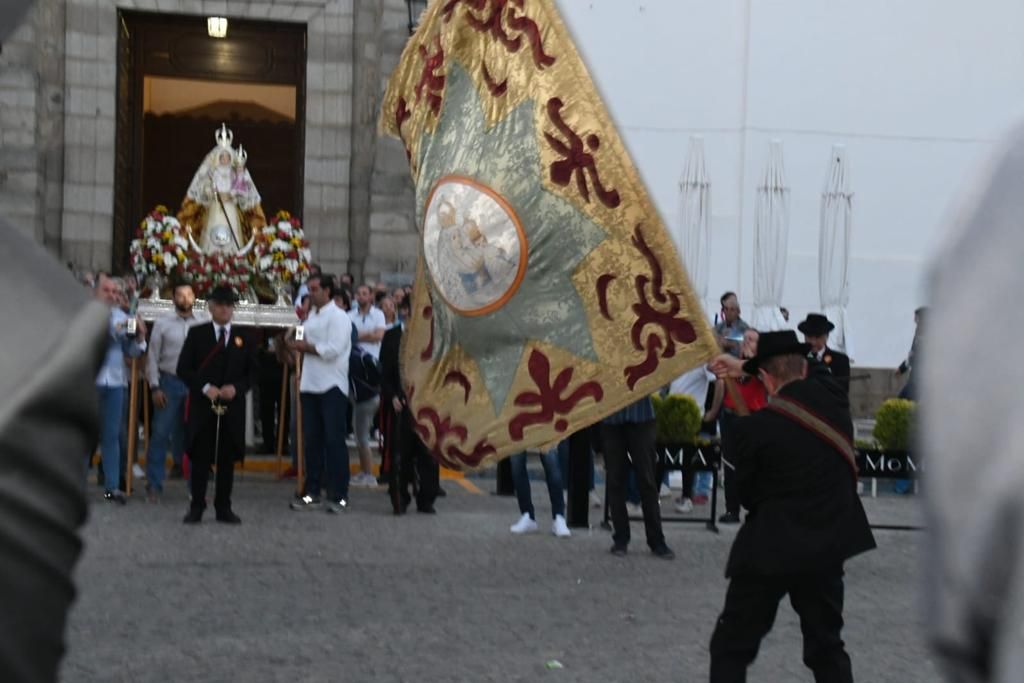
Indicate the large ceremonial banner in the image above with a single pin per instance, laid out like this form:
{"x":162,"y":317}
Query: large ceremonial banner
{"x":548,"y":292}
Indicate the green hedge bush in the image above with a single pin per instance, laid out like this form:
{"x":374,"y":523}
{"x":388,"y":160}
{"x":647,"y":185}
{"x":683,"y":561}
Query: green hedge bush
{"x":894,"y":424}
{"x":678,"y":418}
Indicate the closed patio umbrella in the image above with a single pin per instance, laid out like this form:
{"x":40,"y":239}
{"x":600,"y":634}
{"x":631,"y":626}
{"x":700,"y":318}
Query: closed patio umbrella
{"x":834,"y":247}
{"x":694,"y":235}
{"x":771,"y":238}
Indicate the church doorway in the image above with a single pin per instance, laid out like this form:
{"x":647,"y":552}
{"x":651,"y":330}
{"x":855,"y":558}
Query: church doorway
{"x":177,"y":85}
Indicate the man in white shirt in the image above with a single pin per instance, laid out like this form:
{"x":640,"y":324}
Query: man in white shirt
{"x":169,"y":392}
{"x":371,"y":325}
{"x":323,"y":391}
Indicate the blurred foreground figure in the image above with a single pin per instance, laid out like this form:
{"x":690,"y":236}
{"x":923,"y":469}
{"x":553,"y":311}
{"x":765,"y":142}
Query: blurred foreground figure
{"x":50,"y":351}
{"x":51,"y":345}
{"x":973,"y":436}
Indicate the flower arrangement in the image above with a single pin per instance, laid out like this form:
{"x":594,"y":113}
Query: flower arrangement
{"x":208,"y":271}
{"x":282,"y":251}
{"x":160,"y":247}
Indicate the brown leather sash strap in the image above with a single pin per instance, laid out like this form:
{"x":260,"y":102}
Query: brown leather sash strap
{"x":806,"y":418}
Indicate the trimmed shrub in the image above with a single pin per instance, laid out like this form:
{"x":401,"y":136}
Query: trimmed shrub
{"x":678,"y":418}
{"x":894,"y":423}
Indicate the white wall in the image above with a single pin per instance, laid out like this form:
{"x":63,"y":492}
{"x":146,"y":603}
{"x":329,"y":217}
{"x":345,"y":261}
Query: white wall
{"x":917,"y":90}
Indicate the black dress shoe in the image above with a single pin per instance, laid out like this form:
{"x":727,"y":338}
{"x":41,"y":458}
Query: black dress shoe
{"x":426,"y":510}
{"x":663,"y":552}
{"x":193,"y":516}
{"x":228,"y":517}
{"x":619,"y":550}
{"x":729,"y":518}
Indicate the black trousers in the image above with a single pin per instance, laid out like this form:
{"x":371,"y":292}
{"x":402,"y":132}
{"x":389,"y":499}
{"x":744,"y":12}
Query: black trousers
{"x":637,"y":439}
{"x":732,"y":496}
{"x":270,"y":401}
{"x":202,"y":456}
{"x":750,"y":606}
{"x":410,"y":464}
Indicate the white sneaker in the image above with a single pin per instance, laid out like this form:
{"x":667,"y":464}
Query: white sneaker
{"x":684,"y":506}
{"x":664,"y":491}
{"x":364,"y":480}
{"x":525,"y":525}
{"x":559,"y":527}
{"x":595,"y":500}
{"x":138,"y":472}
{"x":634,"y":510}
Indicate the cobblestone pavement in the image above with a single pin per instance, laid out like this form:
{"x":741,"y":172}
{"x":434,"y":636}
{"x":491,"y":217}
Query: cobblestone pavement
{"x":454,"y":597}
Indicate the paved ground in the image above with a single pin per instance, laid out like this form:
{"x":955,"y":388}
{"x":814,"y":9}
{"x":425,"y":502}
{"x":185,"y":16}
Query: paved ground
{"x":370,"y":597}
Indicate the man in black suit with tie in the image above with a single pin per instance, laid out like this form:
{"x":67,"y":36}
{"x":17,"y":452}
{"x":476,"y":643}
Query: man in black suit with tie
{"x":815,"y":329}
{"x":798,"y":478}
{"x":408,"y":459}
{"x":218,"y":364}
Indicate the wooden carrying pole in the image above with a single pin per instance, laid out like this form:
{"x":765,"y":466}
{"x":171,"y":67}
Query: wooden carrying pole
{"x":300,"y":482}
{"x":133,"y":423}
{"x":145,"y":418}
{"x":282,"y":428}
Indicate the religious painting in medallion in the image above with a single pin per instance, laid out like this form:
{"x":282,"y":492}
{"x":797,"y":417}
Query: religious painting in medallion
{"x":474,"y":246}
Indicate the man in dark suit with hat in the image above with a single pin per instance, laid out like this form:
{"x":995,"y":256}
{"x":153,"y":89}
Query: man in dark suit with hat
{"x":218,"y":364}
{"x":798,"y":479}
{"x":815,"y":329}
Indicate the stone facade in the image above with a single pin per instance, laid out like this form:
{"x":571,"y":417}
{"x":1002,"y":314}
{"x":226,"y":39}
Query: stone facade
{"x":58,"y":75}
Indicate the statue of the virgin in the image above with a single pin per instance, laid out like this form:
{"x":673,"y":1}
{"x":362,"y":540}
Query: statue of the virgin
{"x":222,"y":208}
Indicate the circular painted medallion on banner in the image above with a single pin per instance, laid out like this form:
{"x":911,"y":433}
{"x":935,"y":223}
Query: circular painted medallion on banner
{"x":474,"y":246}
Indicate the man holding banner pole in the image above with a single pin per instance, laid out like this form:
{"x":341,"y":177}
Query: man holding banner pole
{"x":797,"y":477}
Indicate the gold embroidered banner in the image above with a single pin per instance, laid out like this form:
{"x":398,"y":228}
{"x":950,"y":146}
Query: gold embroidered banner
{"x":549,"y":293}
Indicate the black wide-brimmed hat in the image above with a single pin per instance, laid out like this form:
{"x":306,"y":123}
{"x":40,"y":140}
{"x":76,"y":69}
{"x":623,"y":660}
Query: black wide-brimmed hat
{"x":816,"y":324}
{"x":223,"y":294}
{"x":771,"y":344}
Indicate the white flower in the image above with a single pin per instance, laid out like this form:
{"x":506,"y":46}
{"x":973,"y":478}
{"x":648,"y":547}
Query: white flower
{"x":284,"y":225}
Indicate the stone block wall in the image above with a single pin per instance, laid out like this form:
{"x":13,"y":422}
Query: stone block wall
{"x":58,"y":75}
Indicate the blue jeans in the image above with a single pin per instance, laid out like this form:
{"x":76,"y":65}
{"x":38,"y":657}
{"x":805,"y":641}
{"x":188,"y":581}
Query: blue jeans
{"x":111,"y":412}
{"x":168,"y":431}
{"x":324,"y":428}
{"x":521,"y":482}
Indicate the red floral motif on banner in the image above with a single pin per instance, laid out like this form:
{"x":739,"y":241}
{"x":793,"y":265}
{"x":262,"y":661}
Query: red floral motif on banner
{"x":673,"y":328}
{"x":497,"y":89}
{"x":429,"y":422}
{"x":577,"y":162}
{"x":402,"y":114}
{"x":505,"y":16}
{"x":602,"y":293}
{"x":549,"y":397}
{"x":428,"y":315}
{"x":458,"y":378}
{"x":431,"y":81}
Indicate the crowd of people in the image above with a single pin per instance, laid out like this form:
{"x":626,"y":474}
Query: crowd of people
{"x":346,"y":341}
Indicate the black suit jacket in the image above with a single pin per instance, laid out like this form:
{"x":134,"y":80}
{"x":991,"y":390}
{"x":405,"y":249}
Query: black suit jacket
{"x":390,"y":366}
{"x":200,"y":364}
{"x":804,"y":512}
{"x":839,"y":366}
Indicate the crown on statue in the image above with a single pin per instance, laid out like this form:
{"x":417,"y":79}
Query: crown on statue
{"x":241,"y":156}
{"x":224,"y":136}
